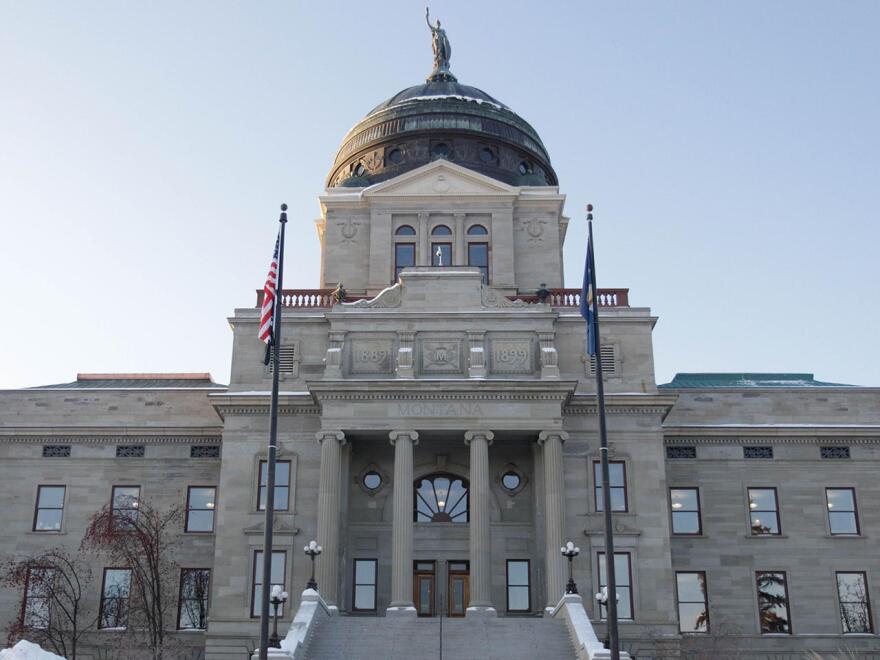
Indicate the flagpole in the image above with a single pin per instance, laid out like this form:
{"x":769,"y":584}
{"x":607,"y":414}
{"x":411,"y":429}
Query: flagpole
{"x":611,"y":581}
{"x":273,"y":448}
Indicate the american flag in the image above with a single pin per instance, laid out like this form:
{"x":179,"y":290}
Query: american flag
{"x":267,"y":314}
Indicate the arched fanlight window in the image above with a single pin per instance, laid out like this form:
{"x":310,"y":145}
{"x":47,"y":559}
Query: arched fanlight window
{"x":441,"y":230}
{"x":405,"y":230}
{"x":477,"y":230}
{"x":441,"y":498}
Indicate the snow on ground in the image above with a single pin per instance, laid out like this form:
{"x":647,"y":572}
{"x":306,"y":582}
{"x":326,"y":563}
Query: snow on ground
{"x":25,"y":650}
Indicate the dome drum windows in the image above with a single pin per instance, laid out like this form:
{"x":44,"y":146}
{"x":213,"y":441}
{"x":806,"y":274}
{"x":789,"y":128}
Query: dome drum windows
{"x":441,"y":497}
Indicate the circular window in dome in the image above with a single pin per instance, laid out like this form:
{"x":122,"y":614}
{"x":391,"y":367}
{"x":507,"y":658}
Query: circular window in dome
{"x":524,"y":168}
{"x":359,"y":169}
{"x":487,"y":155}
{"x":511,"y":480}
{"x":441,"y":150}
{"x":372,"y":480}
{"x":395,"y":156}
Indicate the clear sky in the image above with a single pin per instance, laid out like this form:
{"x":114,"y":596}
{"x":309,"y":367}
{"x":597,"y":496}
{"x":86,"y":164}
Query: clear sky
{"x":732,"y":151}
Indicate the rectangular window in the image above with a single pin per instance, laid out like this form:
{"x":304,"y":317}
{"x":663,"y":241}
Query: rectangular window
{"x":763,"y":511}
{"x":56,"y":451}
{"x":205,"y":451}
{"x":282,"y":485}
{"x":37,"y":592}
{"x":130,"y":451}
{"x":200,"y":502}
{"x":685,"y":505}
{"x":404,"y":257}
{"x":126,"y":500}
{"x":834,"y":452}
{"x":192,"y":613}
{"x":278,"y":573}
{"x":478,"y":255}
{"x":50,"y":508}
{"x":681,"y":452}
{"x":623,"y":578}
{"x":693,"y":606}
{"x":855,"y":606}
{"x":115,"y":591}
{"x":617,"y":481}
{"x":758,"y":452}
{"x":843,"y":517}
{"x":364,"y":585}
{"x":441,"y":254}
{"x":773,"y":602}
{"x":518,"y":586}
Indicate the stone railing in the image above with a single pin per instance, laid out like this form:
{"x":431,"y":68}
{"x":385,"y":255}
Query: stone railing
{"x":323,"y":298}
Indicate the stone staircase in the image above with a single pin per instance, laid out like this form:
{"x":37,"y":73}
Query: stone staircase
{"x":384,"y":638}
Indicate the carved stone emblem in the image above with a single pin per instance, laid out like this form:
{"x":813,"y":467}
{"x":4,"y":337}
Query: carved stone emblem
{"x":349,"y":230}
{"x":534,"y":229}
{"x":512,"y":356}
{"x":441,"y":185}
{"x":371,"y":356}
{"x":441,"y":356}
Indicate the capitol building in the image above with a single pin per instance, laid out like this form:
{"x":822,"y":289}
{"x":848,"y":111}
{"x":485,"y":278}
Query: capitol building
{"x":438,"y":437}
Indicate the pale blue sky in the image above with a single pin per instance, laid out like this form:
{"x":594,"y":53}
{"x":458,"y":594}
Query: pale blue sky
{"x":732,"y":151}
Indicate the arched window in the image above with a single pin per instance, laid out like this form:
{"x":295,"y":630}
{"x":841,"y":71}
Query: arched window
{"x":477,"y":230}
{"x":441,"y":497}
{"x":441,"y":230}
{"x":405,"y":230}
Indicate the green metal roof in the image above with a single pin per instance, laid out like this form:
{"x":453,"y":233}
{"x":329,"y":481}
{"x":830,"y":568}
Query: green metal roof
{"x":721,"y":380}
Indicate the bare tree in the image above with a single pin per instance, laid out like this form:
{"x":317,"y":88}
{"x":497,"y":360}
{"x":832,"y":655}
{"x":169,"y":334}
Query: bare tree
{"x":53,"y":584}
{"x":141,"y":538}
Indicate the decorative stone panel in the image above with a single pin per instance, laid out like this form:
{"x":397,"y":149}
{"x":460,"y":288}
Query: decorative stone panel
{"x":440,"y":357}
{"x":512,"y":356}
{"x":371,"y":356}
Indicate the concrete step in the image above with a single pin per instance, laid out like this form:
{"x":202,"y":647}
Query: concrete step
{"x":381,"y":638}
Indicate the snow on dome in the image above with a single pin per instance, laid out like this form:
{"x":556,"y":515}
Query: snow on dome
{"x":26,"y":650}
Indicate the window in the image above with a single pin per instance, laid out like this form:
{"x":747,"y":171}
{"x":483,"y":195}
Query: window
{"x":56,"y":451}
{"x":623,"y":578}
{"x":441,"y":498}
{"x":487,"y":155}
{"x":685,"y":506}
{"x":37,"y":598}
{"x":834,"y":452}
{"x":404,"y":257}
{"x":524,"y":168}
{"x":278,"y":573}
{"x":205,"y":451}
{"x":609,"y":361}
{"x":192,"y":612}
{"x":405,"y":230}
{"x":773,"y":602}
{"x":675,"y":453}
{"x":757,"y":452}
{"x":441,"y":150}
{"x":518,"y":585}
{"x":50,"y":508}
{"x":843,"y":517}
{"x":693,"y":607}
{"x":130,"y":451}
{"x":282,"y":485}
{"x":763,"y":511}
{"x":114,"y":598}
{"x":441,"y":230}
{"x":855,"y":606}
{"x":510,"y":480}
{"x":126,"y":500}
{"x":478,"y":255}
{"x":372,"y":480}
{"x":200,"y":501}
{"x":395,"y":156}
{"x":477,"y":230}
{"x":364,"y":585}
{"x":441,"y":254}
{"x":617,"y":480}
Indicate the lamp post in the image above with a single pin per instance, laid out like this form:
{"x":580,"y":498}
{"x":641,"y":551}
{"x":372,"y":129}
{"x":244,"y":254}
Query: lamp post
{"x":312,"y":550}
{"x":571,"y":551}
{"x":278,"y":599}
{"x":602,"y":599}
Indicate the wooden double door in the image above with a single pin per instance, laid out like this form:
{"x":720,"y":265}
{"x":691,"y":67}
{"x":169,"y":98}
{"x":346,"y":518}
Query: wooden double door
{"x":433,"y":595}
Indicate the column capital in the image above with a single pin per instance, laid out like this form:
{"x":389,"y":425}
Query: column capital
{"x":486,"y":435}
{"x":544,"y":436}
{"x":339,"y":436}
{"x":394,"y":436}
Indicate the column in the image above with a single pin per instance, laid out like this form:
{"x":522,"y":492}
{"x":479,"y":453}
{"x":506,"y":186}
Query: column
{"x":459,"y":256}
{"x":554,"y":513}
{"x":423,"y":253}
{"x":328,"y":513}
{"x":480,"y":550}
{"x":402,"y":525}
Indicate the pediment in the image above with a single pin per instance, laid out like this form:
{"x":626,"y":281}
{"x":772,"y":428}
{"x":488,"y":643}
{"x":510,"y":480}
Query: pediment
{"x":439,"y":179}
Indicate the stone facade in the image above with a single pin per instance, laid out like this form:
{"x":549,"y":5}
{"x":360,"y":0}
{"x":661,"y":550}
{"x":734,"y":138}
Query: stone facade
{"x":438,"y":372}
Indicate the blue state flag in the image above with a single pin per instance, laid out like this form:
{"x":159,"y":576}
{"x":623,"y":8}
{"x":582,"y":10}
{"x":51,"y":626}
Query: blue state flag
{"x":588,"y":310}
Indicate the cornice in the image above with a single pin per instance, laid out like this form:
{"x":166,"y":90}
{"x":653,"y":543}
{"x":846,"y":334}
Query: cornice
{"x":442,"y":390}
{"x":257,"y":403}
{"x":794,"y":434}
{"x":620,"y":404}
{"x":89,"y":439}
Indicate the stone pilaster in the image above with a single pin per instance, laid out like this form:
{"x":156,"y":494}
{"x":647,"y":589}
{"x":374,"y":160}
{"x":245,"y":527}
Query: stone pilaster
{"x":554,"y":513}
{"x":480,"y":545}
{"x":405,"y":354}
{"x":476,"y":355}
{"x":549,"y":356}
{"x":333,"y":362}
{"x":328,"y":513}
{"x":402,"y":525}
